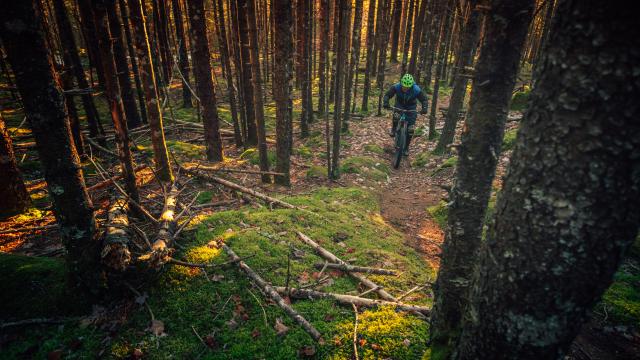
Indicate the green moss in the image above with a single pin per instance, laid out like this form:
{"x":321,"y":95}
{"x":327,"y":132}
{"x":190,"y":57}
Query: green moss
{"x":370,"y":168}
{"x":449,"y":163}
{"x":509,"y":139}
{"x":183,"y":148}
{"x":421,"y":159}
{"x":622,"y":299}
{"x":204,"y":197}
{"x":374,"y":148}
{"x":519,"y":100}
{"x":303,"y":151}
{"x":439,"y":213}
{"x":317,"y":172}
{"x":253,"y":156}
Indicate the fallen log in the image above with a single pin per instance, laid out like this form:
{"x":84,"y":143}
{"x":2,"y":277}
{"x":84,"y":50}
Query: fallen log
{"x":350,"y":299}
{"x":115,"y":251}
{"x":334,"y":259}
{"x":359,"y":269}
{"x":160,"y":249}
{"x":108,"y":182}
{"x":274,"y":295}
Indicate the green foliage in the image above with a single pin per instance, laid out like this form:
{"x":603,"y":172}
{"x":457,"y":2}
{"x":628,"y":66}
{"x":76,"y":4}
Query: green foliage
{"x":204,"y":197}
{"x":374,"y":148}
{"x":439,"y":213}
{"x":370,"y":168}
{"x":509,"y":139}
{"x":303,"y":151}
{"x":449,"y":163}
{"x":183,"y":148}
{"x":622,"y":299}
{"x":317,"y":172}
{"x":422,"y":159}
{"x":253,"y":156}
{"x":520,"y":100}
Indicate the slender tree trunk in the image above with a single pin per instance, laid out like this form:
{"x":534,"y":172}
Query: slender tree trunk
{"x":334,"y":46}
{"x":468,"y":42}
{"x":44,"y":106}
{"x":91,"y":37}
{"x":418,"y":25}
{"x":383,"y":41}
{"x":436,"y":82}
{"x":224,"y":51}
{"x":74,"y":65}
{"x":247,"y":75}
{"x":494,"y":80}
{"x":300,"y":40}
{"x":304,"y":14}
{"x":237,"y":61}
{"x":569,"y":207}
{"x":149,"y":85}
{"x":72,"y":111}
{"x":160,"y":17}
{"x":112,"y":91}
{"x":183,"y":61}
{"x":407,"y":35}
{"x":256,"y":80}
{"x":122,"y":67}
{"x":124,"y":12}
{"x":370,"y":55}
{"x":14,"y":197}
{"x":324,"y":54}
{"x":395,"y":30}
{"x":341,"y":58}
{"x":353,"y":64}
{"x":283,"y":86}
{"x":200,"y":56}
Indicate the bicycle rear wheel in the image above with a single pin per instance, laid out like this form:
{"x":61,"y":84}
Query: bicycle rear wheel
{"x":401,"y":138}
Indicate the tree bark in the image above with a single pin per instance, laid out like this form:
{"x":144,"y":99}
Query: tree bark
{"x":124,"y":15}
{"x":395,"y":30}
{"x":468,"y":42}
{"x":304,"y":15}
{"x":13,"y":193}
{"x":150,"y":88}
{"x":341,"y":58}
{"x":112,"y":91}
{"x":160,"y":20}
{"x":353,"y":64}
{"x":237,"y":61}
{"x":418,"y":25}
{"x":407,"y":35}
{"x":569,"y":207}
{"x":91,"y":37}
{"x":370,"y":55}
{"x":256,"y":81}
{"x":282,"y":87}
{"x":495,"y":77}
{"x":383,"y":41}
{"x":183,"y":61}
{"x":324,"y":54}
{"x":200,"y":56}
{"x":247,"y":75}
{"x":21,"y":33}
{"x":441,"y":57}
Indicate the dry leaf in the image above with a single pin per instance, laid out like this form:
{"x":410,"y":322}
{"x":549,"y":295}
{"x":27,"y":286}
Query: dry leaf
{"x":281,"y":328}
{"x":255,"y":333}
{"x":216,"y":277}
{"x":328,"y":318}
{"x":362,"y":342}
{"x":137,"y":354}
{"x":210,"y":341}
{"x":406,"y":342}
{"x":157,"y":328}
{"x":376,"y":347}
{"x":307,"y":351}
{"x":232,"y":324}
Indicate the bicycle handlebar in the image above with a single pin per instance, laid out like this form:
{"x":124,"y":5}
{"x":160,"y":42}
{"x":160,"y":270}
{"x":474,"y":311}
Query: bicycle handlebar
{"x":402,"y":110}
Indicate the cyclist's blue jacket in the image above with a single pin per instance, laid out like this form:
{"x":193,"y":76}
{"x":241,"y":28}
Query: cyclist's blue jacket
{"x":408,"y":100}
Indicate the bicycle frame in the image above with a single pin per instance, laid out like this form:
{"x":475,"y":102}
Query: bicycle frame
{"x":402,"y":130}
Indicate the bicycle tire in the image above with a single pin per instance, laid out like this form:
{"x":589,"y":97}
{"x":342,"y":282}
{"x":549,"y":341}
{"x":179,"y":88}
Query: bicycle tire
{"x":401,"y":137}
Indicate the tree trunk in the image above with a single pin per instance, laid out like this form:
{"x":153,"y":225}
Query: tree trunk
{"x":441,"y":57}
{"x":282,"y":86}
{"x":494,"y":79}
{"x":224,"y":53}
{"x":568,"y":210}
{"x":14,"y":197}
{"x":112,"y":91}
{"x":124,"y":13}
{"x":468,"y":42}
{"x":149,"y":85}
{"x":395,"y":30}
{"x":407,"y":36}
{"x":324,"y":53}
{"x":44,"y":106}
{"x":237,"y":61}
{"x":370,"y":55}
{"x":160,"y":17}
{"x":418,"y":25}
{"x":304,"y":15}
{"x":256,"y":80}
{"x":74,"y":65}
{"x":183,"y":60}
{"x":247,"y":87}
{"x":353,"y":64}
{"x":200,"y":56}
{"x":91,"y":37}
{"x":341,"y":58}
{"x":383,"y":41}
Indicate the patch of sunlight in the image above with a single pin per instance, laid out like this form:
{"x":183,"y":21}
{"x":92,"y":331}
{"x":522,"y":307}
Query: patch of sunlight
{"x":30,"y":214}
{"x":378,"y":219}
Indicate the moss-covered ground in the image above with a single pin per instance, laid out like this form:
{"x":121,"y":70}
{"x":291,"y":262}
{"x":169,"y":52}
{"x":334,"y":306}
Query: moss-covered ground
{"x":226,"y":311}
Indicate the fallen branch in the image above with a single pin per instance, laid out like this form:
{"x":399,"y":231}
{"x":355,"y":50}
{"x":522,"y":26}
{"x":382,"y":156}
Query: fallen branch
{"x":359,"y":269}
{"x":329,"y":256}
{"x":355,"y":332}
{"x":115,"y":252}
{"x":350,"y":299}
{"x":242,"y":171}
{"x":108,"y":182}
{"x":273,"y":294}
{"x":99,"y":147}
{"x":29,"y":229}
{"x":160,"y":249}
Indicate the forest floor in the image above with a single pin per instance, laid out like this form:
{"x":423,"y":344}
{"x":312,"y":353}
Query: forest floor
{"x":373,"y":216}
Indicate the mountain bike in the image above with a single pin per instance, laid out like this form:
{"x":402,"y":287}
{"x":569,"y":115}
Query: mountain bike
{"x":402,"y":131}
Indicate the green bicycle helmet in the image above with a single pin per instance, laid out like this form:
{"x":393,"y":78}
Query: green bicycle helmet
{"x":407,"y":80}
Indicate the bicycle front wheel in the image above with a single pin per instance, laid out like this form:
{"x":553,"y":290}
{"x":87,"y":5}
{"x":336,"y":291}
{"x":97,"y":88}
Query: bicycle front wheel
{"x":401,"y":138}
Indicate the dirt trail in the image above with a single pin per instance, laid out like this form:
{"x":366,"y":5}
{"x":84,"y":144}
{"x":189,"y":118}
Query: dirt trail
{"x":409,"y":190}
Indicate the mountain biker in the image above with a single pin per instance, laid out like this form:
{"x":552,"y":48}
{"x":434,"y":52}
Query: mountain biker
{"x":406,"y":93}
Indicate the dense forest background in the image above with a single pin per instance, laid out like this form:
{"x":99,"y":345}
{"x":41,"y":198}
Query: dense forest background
{"x":193,"y":178}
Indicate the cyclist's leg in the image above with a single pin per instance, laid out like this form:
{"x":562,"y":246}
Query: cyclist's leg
{"x":394,"y":123}
{"x":411,"y":119}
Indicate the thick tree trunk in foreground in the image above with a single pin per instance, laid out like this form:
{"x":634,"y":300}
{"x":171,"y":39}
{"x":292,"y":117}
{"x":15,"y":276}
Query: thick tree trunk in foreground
{"x":44,"y":106}
{"x":467,"y":45}
{"x":370,"y":55}
{"x":14,"y":197}
{"x":341,"y":58}
{"x":256,"y":81}
{"x":282,"y":86}
{"x":112,"y":91}
{"x":200,"y":56}
{"x":73,"y":64}
{"x":183,"y":60}
{"x":149,"y":85}
{"x":495,"y":77}
{"x":353,"y":64}
{"x":124,"y":80}
{"x":569,"y":206}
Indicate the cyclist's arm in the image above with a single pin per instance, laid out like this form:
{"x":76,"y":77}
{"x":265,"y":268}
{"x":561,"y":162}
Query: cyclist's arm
{"x":388,"y":95}
{"x":424,"y":102}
